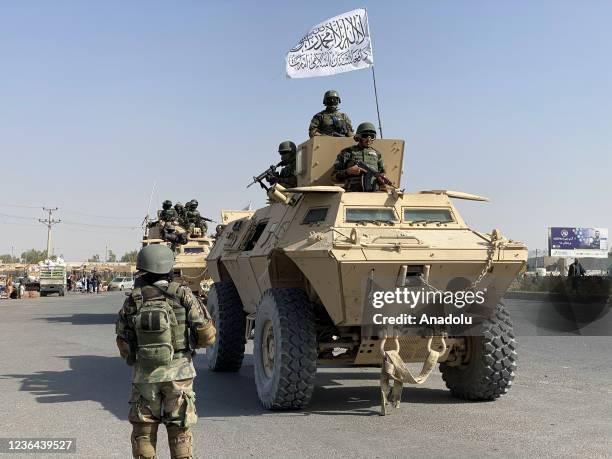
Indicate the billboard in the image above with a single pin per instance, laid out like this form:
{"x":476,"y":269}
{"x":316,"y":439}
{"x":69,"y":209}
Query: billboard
{"x":578,"y":242}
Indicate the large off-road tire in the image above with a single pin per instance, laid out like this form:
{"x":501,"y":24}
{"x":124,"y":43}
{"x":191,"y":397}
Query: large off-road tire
{"x":285,"y":349}
{"x":492,"y":361}
{"x":225,"y":307}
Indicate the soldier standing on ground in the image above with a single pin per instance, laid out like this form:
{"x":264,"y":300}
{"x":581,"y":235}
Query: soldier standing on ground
{"x":331,"y":121}
{"x":160,"y":325}
{"x":286,"y":176}
{"x":345,"y":169}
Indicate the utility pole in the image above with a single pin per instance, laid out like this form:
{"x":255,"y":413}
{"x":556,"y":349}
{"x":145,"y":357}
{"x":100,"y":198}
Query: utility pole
{"x":49,"y":222}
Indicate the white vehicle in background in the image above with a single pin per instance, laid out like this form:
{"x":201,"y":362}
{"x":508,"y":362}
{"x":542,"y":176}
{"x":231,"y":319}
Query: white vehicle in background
{"x":52,"y":279}
{"x":121,"y":283}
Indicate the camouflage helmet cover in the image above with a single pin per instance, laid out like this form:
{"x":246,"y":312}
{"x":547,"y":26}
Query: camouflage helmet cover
{"x":167,"y":204}
{"x":178,"y":205}
{"x":194,"y":203}
{"x":155,"y":258}
{"x":329,"y":94}
{"x":287,"y":147}
{"x":366,"y":127}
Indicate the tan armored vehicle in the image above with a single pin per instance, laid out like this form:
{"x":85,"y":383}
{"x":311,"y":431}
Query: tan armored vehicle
{"x":298,"y":276}
{"x":190,"y":258}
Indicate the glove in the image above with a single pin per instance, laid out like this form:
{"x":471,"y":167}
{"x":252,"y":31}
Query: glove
{"x":205,"y":335}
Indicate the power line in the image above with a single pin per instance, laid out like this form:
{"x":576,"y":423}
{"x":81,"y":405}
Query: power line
{"x":68,"y":211}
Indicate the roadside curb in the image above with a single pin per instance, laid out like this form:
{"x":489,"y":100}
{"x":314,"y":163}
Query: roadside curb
{"x":548,"y":296}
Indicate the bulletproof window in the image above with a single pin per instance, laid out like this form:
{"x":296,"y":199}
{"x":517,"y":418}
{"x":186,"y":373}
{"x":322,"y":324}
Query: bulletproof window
{"x":428,"y":215}
{"x":259,"y":229}
{"x":193,"y":249}
{"x":364,"y":214}
{"x":315,"y":215}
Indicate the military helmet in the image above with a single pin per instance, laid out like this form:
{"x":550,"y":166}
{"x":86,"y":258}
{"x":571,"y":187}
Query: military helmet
{"x":167,"y":204}
{"x":329,"y":94}
{"x":194,"y":203}
{"x":287,"y":147}
{"x":178,"y":205}
{"x":155,"y":258}
{"x":366,"y":127}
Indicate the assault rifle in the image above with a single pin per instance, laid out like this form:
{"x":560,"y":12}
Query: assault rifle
{"x":370,"y":174}
{"x":267,"y":174}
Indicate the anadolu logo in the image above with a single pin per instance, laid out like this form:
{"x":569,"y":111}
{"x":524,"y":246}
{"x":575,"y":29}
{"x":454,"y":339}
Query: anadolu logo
{"x":564,"y":233}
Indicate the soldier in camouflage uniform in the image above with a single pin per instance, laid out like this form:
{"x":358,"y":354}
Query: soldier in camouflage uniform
{"x":193,"y":217}
{"x":162,"y":321}
{"x":180,"y":214}
{"x":167,"y":214}
{"x":345,"y":169}
{"x":331,"y":121}
{"x":286,"y":176}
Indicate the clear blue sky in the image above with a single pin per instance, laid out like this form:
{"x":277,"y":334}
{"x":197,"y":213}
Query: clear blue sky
{"x":511,"y":100}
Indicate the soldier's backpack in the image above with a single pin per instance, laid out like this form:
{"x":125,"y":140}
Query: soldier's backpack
{"x":159,"y":334}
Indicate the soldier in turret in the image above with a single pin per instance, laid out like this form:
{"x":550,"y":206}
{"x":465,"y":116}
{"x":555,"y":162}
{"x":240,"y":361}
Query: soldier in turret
{"x":331,"y":121}
{"x":346,"y":170}
{"x":286,"y":176}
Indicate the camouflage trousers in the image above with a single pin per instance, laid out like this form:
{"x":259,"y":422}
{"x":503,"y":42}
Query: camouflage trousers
{"x":169,"y":402}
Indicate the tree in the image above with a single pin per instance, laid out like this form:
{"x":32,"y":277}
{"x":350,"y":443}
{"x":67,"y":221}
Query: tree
{"x":111,"y":256}
{"x":33,"y":256}
{"x":7,"y":258}
{"x":94,"y":259}
{"x":129,"y":257}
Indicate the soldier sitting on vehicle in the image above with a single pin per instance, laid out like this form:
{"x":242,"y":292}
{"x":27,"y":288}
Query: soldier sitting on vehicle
{"x":286,"y":176}
{"x":331,"y":121}
{"x":169,"y":234}
{"x":193,"y":219}
{"x":166,"y":215}
{"x":360,"y":167}
{"x":180,"y":214}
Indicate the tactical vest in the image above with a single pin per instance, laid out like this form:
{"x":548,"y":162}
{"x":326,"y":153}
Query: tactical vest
{"x":370,"y":157}
{"x":333,"y":123}
{"x":160,"y":324}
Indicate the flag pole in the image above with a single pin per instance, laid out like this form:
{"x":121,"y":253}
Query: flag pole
{"x":376,"y":97}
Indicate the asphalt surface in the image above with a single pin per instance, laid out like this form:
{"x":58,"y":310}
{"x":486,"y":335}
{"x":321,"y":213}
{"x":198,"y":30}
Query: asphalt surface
{"x":60,"y":376}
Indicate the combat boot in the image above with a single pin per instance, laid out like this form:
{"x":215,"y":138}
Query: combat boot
{"x":180,"y":440}
{"x":144,"y":440}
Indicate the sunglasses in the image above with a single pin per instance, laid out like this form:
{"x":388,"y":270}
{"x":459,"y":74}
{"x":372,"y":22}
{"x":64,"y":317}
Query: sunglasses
{"x":367,"y":135}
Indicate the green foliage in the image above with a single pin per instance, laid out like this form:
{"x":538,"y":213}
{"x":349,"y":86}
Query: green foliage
{"x":129,"y":257}
{"x":7,"y":258}
{"x":111,"y":256}
{"x":95,"y":258}
{"x":33,"y":256}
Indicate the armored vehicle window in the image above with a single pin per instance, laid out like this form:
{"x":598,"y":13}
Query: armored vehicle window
{"x":193,"y":249}
{"x":259,"y":229}
{"x":428,"y":215}
{"x":359,"y":214}
{"x":315,"y":215}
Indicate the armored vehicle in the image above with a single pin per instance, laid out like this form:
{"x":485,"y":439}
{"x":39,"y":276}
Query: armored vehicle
{"x":190,"y":258}
{"x":296,"y":277}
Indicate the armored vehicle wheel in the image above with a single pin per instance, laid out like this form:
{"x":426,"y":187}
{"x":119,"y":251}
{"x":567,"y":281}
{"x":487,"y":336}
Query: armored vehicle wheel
{"x":226,"y":310}
{"x":284,"y":350}
{"x":492,"y":361}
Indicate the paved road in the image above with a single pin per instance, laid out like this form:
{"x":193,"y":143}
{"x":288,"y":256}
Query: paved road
{"x":60,"y":376}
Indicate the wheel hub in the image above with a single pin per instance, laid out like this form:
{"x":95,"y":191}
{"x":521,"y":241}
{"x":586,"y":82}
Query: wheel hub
{"x":268,"y":349}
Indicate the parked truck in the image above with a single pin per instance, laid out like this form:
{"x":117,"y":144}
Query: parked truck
{"x":52,"y":279}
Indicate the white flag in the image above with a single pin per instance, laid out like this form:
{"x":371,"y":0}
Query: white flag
{"x":337,"y":45}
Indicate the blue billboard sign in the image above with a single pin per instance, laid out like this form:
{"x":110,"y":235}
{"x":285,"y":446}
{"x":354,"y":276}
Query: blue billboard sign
{"x":578,"y":242}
